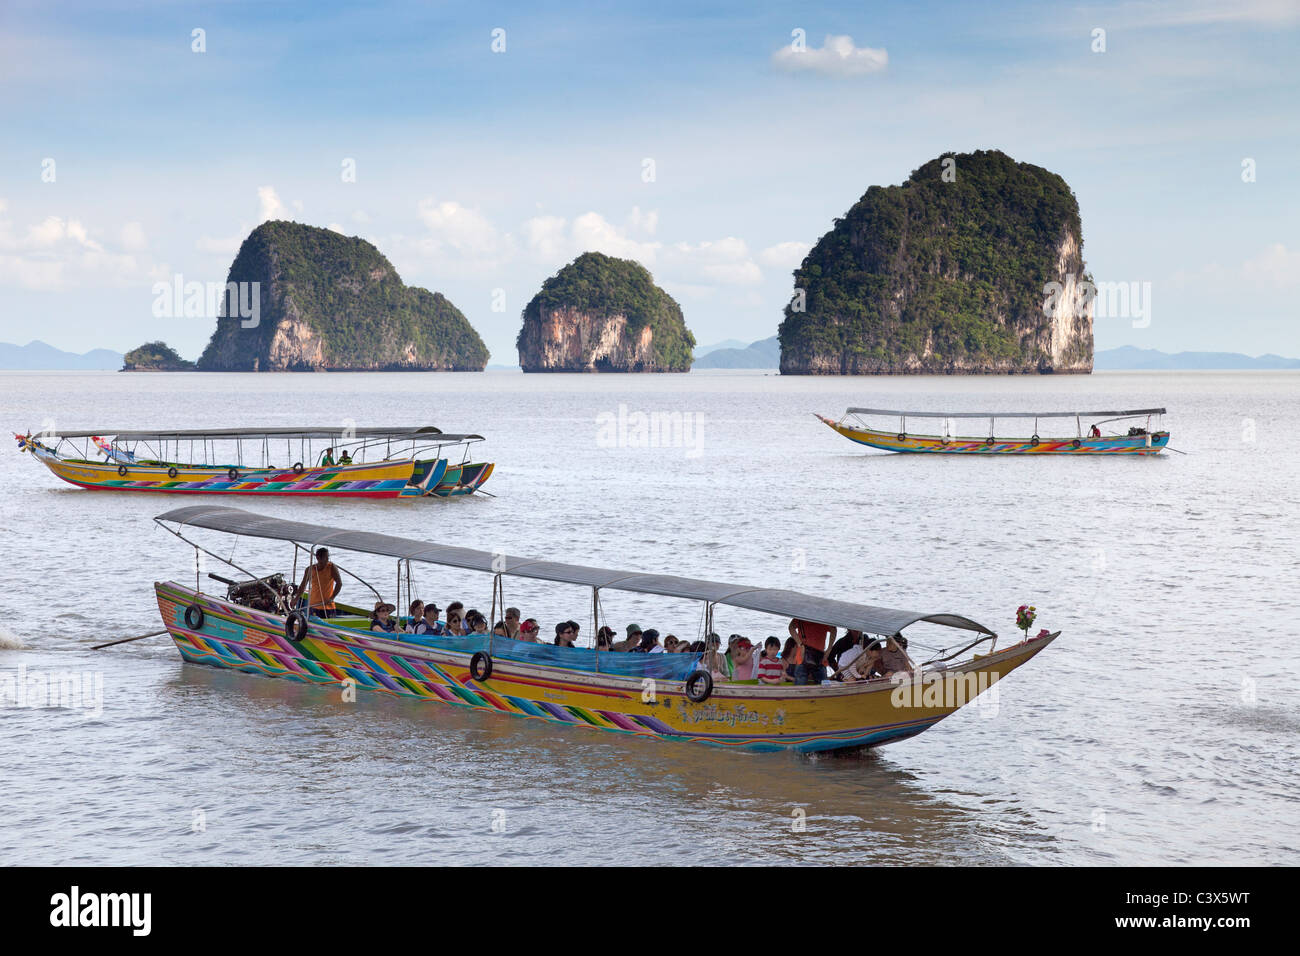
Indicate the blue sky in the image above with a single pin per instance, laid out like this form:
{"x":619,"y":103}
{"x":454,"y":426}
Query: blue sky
{"x":479,"y":171}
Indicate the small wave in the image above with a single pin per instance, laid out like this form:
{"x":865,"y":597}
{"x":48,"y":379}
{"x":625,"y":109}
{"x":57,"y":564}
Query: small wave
{"x":10,"y":641}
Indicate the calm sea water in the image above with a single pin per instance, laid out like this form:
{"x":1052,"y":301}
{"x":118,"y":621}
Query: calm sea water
{"x":1161,"y":727}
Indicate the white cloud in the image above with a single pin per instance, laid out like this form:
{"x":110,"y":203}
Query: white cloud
{"x":337,"y":228}
{"x":220,"y":247}
{"x":133,"y":237}
{"x":593,"y":233}
{"x":465,"y":231}
{"x":1276,"y":266}
{"x":1176,"y":13}
{"x":57,"y":254}
{"x":838,"y":56}
{"x":547,"y":237}
{"x":784,"y":255}
{"x":271,"y":207}
{"x":719,"y":261}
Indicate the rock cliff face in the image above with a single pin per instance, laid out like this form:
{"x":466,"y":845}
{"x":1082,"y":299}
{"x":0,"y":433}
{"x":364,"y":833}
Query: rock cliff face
{"x":329,"y":302}
{"x":601,"y":314}
{"x":948,"y":273}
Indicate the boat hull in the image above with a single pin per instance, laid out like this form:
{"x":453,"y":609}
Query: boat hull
{"x":379,"y":480}
{"x":1149,"y":444}
{"x":736,"y":716}
{"x":465,"y":479}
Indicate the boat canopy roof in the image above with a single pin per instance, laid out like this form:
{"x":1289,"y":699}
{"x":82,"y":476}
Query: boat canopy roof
{"x":873,"y":620}
{"x":411,"y":431}
{"x":901,"y":414}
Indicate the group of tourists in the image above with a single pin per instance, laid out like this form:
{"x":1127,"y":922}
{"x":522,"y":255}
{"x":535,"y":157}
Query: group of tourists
{"x":811,"y":654}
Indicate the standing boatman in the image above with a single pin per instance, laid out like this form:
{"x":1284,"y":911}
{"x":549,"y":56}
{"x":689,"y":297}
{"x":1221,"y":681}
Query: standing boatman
{"x":325,"y":584}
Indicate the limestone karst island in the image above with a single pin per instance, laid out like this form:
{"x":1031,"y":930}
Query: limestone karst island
{"x":946,"y":274}
{"x":601,"y":314}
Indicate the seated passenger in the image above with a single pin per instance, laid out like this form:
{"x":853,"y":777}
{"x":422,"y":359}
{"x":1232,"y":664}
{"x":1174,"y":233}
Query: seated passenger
{"x":429,"y":624}
{"x":850,"y":640}
{"x":849,"y":654}
{"x":345,"y":459}
{"x":380,"y":620}
{"x":455,"y":618}
{"x":894,"y":657}
{"x":770,"y":669}
{"x":670,"y":644}
{"x":605,"y":638}
{"x":790,"y":659}
{"x":650,"y":642}
{"x":327,"y":459}
{"x":1095,"y":432}
{"x":865,"y":666}
{"x":714,"y":661}
{"x":416,"y":618}
{"x":529,"y":631}
{"x":566,"y":633}
{"x":475,"y":622}
{"x":512,"y":622}
{"x":499,"y":629}
{"x":740,"y":651}
{"x":633,"y":640}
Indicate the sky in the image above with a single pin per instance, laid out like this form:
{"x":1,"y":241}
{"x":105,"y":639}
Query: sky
{"x":493,"y":143}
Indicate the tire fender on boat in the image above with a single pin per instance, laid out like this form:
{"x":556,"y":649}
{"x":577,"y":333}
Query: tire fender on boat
{"x":297,"y":468}
{"x":699,"y":686}
{"x":902,"y":436}
{"x":1076,"y":443}
{"x":233,"y":474}
{"x":989,"y":440}
{"x":481,"y":661}
{"x":121,"y":470}
{"x":171,"y":472}
{"x":1033,"y":441}
{"x":194,"y":617}
{"x":295,"y":626}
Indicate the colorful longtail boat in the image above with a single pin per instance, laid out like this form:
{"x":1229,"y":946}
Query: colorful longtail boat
{"x":1138,"y":434}
{"x":339,"y":462}
{"x":259,"y":627}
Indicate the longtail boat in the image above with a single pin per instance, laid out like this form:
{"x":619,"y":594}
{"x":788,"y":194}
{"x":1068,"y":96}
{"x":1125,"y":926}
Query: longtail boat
{"x":1136,"y":434}
{"x":337,"y":462}
{"x":259,"y":627}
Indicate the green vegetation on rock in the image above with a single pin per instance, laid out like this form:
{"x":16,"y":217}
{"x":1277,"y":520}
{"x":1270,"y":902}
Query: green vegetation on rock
{"x":937,"y":275}
{"x":329,"y":301}
{"x":601,"y":287}
{"x":154,"y":356}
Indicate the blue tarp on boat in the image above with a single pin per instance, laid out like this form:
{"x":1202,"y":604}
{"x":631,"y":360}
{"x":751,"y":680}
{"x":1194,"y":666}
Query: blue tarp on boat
{"x":658,"y":666}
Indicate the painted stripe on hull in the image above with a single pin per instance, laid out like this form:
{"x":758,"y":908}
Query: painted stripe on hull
{"x":245,"y":640}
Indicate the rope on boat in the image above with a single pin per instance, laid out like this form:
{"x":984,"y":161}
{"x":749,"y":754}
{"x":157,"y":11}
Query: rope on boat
{"x":139,"y":637}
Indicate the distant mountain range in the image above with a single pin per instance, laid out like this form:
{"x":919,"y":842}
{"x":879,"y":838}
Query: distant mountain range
{"x":1128,"y":357}
{"x":767,"y":354}
{"x":36,"y":355}
{"x":764,"y":354}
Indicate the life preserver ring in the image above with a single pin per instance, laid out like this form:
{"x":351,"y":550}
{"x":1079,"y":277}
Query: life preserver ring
{"x":945,"y":440}
{"x":699,"y":686}
{"x":1033,"y":441}
{"x":194,"y":617}
{"x":295,"y":626}
{"x":171,"y":472}
{"x":902,"y":436}
{"x":989,"y":440}
{"x":121,"y":470}
{"x":297,"y":468}
{"x":1076,"y":443}
{"x":481,"y":658}
{"x":233,"y":474}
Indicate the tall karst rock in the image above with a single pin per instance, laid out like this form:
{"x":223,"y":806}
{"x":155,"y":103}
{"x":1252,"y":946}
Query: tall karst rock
{"x":951,"y":272}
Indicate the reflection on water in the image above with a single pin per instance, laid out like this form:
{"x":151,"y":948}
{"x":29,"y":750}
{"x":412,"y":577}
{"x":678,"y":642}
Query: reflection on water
{"x":1171,"y":698}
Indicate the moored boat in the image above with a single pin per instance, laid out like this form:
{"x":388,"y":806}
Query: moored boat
{"x":257,"y":628}
{"x":1138,"y":434}
{"x":340,"y":462}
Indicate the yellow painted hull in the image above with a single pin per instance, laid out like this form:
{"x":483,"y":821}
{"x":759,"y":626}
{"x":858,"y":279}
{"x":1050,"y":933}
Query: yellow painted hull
{"x":741,"y":716}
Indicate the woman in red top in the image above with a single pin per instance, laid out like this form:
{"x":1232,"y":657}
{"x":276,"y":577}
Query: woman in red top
{"x":813,"y":639}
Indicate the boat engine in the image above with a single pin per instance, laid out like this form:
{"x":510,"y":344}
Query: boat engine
{"x":271,"y":594}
